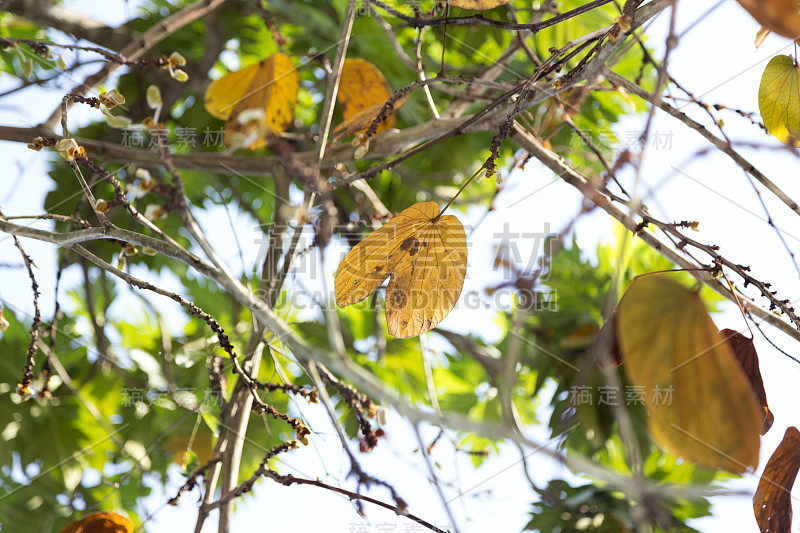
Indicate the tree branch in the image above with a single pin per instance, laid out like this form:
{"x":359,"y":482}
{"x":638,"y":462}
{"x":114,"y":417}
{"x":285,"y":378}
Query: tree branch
{"x":48,"y":14}
{"x":137,"y":48}
{"x":415,"y":22}
{"x":723,"y":146}
{"x":574,"y":178}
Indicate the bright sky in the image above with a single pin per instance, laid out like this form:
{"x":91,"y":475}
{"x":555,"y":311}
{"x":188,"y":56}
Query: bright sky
{"x":718,"y":62}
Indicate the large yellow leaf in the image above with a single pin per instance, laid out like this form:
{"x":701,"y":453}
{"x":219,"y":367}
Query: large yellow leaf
{"x":772,"y":501}
{"x":270,"y":87}
{"x":780,"y":16}
{"x":779,"y":99}
{"x":362,"y":92}
{"x":425,"y":258}
{"x":699,"y":401}
{"x":478,"y":4}
{"x":103,"y":522}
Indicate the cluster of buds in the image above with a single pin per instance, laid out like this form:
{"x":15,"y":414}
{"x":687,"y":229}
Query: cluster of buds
{"x":297,"y":213}
{"x":149,"y":124}
{"x":146,"y":183}
{"x":489,"y":173}
{"x":24,"y":392}
{"x":154,"y":101}
{"x":624,"y":23}
{"x":156,"y":129}
{"x":111,"y":99}
{"x":155,"y":212}
{"x":302,"y":435}
{"x":69,"y":149}
{"x":40,"y":142}
{"x":172,"y":63}
{"x":361,"y":142}
{"x":251,"y":126}
{"x":127,"y":250}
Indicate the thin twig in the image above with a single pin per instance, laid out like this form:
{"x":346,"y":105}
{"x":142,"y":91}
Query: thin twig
{"x":415,"y":22}
{"x":138,"y":47}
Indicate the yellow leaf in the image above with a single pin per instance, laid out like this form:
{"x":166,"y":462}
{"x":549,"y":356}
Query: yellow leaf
{"x":772,"y":501}
{"x":363,"y":90}
{"x":425,"y":257}
{"x":478,"y":4}
{"x":779,"y":99}
{"x":266,"y":90}
{"x":102,"y":522}
{"x":699,"y":401}
{"x":780,"y":16}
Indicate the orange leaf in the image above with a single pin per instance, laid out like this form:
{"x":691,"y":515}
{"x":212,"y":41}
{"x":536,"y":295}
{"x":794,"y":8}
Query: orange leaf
{"x":425,"y":258}
{"x":266,"y":91}
{"x":780,"y":16}
{"x":670,"y":344}
{"x":363,"y":91}
{"x":772,"y":502}
{"x":746,"y":354}
{"x":102,"y":522}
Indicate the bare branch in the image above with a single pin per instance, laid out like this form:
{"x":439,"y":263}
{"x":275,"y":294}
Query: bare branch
{"x":585,"y":186}
{"x":49,"y":14}
{"x":415,"y":22}
{"x":138,"y":47}
{"x":721,"y":144}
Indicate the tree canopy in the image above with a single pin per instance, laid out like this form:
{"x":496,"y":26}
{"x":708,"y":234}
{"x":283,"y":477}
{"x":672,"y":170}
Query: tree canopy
{"x":231,"y":183}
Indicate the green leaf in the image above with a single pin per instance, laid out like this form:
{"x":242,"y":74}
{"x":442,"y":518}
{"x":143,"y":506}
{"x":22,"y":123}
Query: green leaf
{"x":211,"y":420}
{"x":779,"y":99}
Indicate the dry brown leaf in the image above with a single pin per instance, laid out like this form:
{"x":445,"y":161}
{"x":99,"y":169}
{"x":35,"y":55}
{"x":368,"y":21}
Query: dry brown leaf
{"x":779,"y":16}
{"x":746,"y":354}
{"x":425,"y":258}
{"x":606,"y":344}
{"x":669,"y":343}
{"x":772,"y":502}
{"x":761,"y":36}
{"x":102,"y":522}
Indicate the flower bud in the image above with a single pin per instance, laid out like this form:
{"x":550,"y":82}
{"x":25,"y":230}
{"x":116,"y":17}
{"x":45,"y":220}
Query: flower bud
{"x":111,"y":98}
{"x":154,"y":97}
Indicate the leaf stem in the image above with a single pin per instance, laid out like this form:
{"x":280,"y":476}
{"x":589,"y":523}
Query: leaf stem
{"x":437,"y":217}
